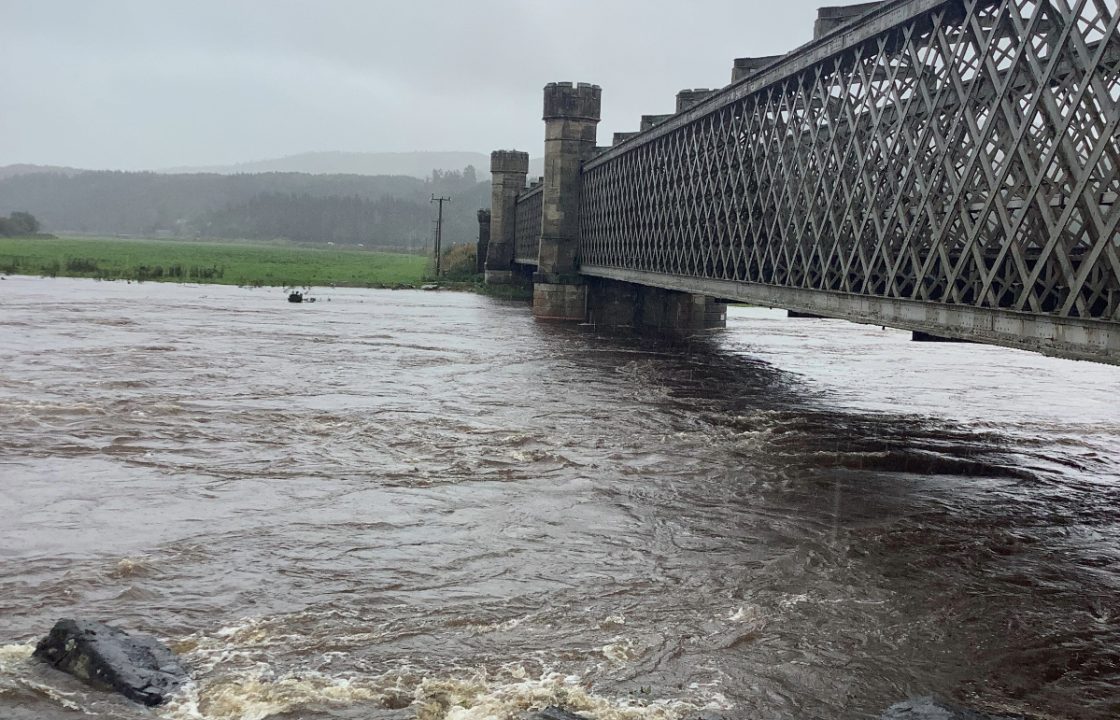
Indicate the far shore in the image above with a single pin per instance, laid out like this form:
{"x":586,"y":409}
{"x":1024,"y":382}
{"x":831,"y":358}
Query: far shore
{"x":212,"y":262}
{"x":228,"y":262}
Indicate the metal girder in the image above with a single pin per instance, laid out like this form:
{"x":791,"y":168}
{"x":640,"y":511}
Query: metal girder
{"x":959,"y":153}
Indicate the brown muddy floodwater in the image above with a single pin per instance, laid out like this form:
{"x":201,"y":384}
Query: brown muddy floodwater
{"x":409,"y":504}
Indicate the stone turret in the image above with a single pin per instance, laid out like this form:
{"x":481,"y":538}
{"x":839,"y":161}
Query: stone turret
{"x":508,"y":169}
{"x":563,"y":101}
{"x":830,"y":18}
{"x":571,"y":116}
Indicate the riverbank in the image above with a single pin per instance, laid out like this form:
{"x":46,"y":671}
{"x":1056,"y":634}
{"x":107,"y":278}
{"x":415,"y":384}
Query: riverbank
{"x":214,"y":262}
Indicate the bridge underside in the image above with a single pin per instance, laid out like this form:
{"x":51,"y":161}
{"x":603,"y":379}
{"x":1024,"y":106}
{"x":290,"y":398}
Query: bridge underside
{"x":1065,"y":337}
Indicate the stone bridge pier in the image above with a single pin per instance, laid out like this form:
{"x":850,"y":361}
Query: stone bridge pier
{"x":613,"y":303}
{"x":560,"y":292}
{"x":571,"y":117}
{"x":508,"y":169}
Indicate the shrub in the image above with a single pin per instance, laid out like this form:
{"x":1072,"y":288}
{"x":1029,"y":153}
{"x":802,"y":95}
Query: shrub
{"x":81,"y":265}
{"x":459,"y":263}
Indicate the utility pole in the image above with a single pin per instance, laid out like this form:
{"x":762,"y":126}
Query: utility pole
{"x":439,"y":228}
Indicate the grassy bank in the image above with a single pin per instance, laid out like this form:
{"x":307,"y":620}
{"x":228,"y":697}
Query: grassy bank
{"x":206,"y":262}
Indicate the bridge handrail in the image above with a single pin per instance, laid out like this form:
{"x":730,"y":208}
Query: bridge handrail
{"x":527,"y":225}
{"x":888,"y":16}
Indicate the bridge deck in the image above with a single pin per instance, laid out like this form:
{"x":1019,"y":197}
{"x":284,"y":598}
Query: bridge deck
{"x":949,"y":166}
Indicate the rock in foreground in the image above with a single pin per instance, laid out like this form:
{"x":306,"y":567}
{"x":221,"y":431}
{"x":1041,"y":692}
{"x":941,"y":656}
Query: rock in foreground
{"x":928,"y":708}
{"x":137,"y":666}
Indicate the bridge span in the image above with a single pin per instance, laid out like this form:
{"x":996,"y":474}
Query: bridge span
{"x":950,"y":167}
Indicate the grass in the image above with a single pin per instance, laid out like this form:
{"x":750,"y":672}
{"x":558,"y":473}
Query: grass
{"x":225,"y":263}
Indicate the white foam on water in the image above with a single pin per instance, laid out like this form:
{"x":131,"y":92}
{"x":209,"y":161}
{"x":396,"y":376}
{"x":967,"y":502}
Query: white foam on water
{"x":482,"y":698}
{"x":15,"y":660}
{"x":622,"y":651}
{"x":749,"y":614}
{"x":13,"y":665}
{"x":127,"y":567}
{"x":468,"y":695}
{"x":14,"y":655}
{"x":258,"y":696}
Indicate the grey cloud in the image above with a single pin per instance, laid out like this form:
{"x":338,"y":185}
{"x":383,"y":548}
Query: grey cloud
{"x":141,"y":84}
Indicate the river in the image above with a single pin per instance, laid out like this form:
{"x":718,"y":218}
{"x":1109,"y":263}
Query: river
{"x":405,"y":504}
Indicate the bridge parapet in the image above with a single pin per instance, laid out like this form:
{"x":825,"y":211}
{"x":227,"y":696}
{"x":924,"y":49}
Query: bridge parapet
{"x":528,"y":225}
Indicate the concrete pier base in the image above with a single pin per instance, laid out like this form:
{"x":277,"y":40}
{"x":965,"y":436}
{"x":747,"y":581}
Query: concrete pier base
{"x":562,"y":302}
{"x":649,"y":309}
{"x":613,"y":304}
{"x":499,"y":277}
{"x":671,"y":311}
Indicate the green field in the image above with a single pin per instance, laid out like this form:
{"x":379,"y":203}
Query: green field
{"x":225,"y":263}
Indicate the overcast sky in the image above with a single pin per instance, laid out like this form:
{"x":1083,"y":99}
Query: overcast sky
{"x":148,"y":84}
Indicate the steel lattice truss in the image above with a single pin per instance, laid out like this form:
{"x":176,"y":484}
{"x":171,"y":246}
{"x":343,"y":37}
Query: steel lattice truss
{"x":527,"y":226}
{"x":965,"y":154}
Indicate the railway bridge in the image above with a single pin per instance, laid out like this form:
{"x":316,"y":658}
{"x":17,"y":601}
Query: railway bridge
{"x":943,"y":166}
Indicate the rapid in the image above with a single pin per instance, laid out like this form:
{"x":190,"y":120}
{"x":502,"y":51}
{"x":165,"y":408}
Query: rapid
{"x":405,"y":504}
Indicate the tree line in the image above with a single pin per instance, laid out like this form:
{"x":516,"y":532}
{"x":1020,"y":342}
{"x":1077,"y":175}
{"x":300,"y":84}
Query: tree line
{"x":378,"y":211}
{"x":348,"y":220}
{"x":18,"y":223}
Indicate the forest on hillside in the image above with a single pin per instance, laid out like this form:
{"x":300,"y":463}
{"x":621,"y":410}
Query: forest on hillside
{"x":384,"y":211}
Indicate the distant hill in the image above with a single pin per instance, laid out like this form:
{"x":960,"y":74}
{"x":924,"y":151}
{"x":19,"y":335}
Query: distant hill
{"x":377,"y":211}
{"x":410,"y":164}
{"x":413,"y":164}
{"x":7,"y":171}
{"x":378,"y":199}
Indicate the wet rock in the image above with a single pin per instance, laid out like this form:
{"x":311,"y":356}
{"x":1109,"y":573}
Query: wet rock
{"x":137,"y":666}
{"x":928,"y":708}
{"x":397,"y":700}
{"x":553,"y":713}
